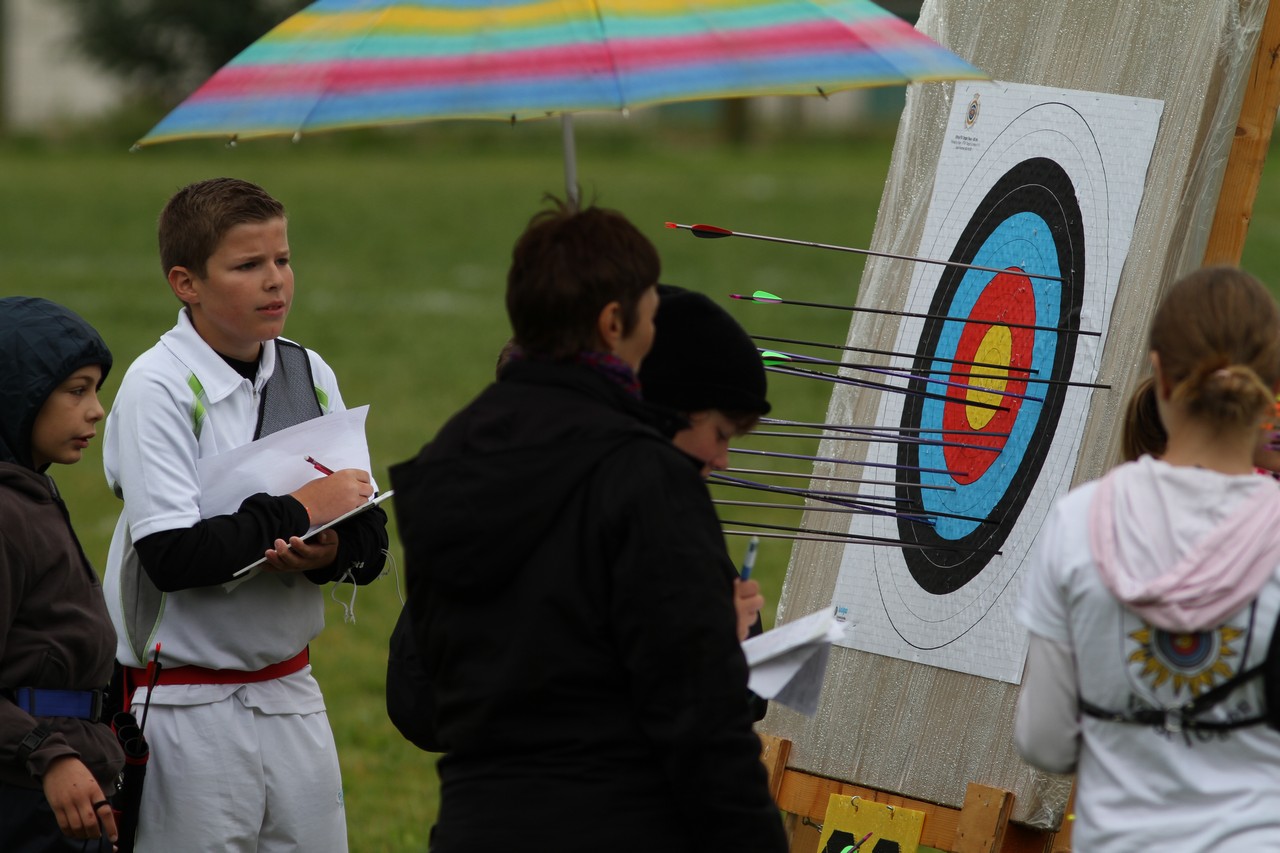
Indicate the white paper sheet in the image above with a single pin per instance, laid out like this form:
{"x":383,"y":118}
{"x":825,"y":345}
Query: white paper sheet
{"x":277,"y":464}
{"x":788,"y":663}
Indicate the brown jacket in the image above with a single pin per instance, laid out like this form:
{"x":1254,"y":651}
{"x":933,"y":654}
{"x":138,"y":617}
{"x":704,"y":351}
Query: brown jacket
{"x":54,"y":630}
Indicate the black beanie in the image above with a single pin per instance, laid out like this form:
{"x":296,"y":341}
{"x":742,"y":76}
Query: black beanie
{"x":701,"y":358}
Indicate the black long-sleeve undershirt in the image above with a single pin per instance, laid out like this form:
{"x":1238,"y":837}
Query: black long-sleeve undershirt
{"x":209,"y":552}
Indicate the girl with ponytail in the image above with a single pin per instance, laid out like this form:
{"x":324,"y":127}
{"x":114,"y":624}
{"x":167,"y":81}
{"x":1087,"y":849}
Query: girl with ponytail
{"x":1150,"y":589}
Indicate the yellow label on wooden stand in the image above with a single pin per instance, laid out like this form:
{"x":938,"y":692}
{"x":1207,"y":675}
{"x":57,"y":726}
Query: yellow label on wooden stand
{"x":854,"y":824}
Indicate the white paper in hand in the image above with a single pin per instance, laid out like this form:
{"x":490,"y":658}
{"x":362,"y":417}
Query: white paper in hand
{"x":788,"y":663}
{"x":277,"y":464}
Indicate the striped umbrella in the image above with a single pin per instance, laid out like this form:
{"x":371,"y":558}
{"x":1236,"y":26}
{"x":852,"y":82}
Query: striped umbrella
{"x":360,"y":63}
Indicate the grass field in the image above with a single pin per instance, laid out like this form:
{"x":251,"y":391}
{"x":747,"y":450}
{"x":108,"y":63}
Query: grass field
{"x":400,"y":246}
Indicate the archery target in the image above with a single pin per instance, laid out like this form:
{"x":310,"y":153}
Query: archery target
{"x":1028,"y":222}
{"x":1031,"y":190}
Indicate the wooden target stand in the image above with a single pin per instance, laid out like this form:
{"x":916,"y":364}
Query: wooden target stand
{"x":982,"y":823}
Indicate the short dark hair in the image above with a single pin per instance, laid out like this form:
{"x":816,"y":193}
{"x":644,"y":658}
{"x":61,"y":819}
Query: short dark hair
{"x":199,"y":215}
{"x":566,"y":267}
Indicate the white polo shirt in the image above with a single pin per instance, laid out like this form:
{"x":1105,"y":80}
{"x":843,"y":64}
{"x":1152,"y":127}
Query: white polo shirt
{"x":180,"y":402}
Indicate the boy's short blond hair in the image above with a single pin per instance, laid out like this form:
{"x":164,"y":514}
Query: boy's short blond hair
{"x":199,"y":215}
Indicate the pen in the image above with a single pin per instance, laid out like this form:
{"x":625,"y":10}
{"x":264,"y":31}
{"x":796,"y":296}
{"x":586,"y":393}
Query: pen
{"x":749,"y":561}
{"x":321,"y":468}
{"x":853,"y":847}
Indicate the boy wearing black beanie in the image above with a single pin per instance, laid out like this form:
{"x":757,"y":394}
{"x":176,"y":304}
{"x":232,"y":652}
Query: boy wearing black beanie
{"x":705,"y":367}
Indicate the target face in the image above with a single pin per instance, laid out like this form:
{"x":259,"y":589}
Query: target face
{"x":993,"y":418}
{"x":1039,"y":188}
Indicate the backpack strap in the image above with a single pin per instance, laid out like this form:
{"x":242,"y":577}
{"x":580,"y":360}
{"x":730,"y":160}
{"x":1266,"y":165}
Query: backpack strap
{"x":1185,"y":717}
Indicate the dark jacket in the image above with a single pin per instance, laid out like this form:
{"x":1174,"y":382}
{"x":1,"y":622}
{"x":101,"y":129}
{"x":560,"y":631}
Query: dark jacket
{"x":54,"y":628}
{"x":571,"y":599}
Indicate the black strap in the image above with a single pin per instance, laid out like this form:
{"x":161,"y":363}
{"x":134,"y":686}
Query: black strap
{"x":31,"y":742}
{"x":1169,"y":719}
{"x":1185,"y":717}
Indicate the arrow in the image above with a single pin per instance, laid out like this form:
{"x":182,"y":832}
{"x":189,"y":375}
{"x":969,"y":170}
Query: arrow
{"x":764,"y":297}
{"x":714,"y":232}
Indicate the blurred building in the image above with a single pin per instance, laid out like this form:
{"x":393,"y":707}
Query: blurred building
{"x":44,"y":80}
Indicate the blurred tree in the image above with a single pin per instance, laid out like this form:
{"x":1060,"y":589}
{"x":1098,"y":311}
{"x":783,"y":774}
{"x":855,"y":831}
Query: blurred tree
{"x":169,"y":47}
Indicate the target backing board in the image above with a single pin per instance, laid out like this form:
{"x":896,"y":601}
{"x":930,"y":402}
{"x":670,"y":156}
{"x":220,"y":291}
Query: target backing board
{"x":1041,"y":187}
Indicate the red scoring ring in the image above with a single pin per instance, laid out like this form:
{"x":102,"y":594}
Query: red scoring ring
{"x":1008,"y":297}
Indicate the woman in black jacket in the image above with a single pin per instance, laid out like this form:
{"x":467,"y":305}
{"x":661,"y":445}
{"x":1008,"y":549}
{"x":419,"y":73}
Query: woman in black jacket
{"x":569,"y":587}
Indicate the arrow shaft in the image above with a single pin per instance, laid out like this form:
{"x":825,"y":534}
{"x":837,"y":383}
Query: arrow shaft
{"x":856,"y":480}
{"x":725,"y":232}
{"x":918,"y":315}
{"x":891,"y":353}
{"x":883,"y":386}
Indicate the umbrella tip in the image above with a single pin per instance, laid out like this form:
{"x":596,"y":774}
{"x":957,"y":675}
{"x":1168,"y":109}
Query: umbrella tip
{"x":135,"y":148}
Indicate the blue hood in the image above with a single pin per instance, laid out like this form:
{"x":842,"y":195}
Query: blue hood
{"x":41,"y":344}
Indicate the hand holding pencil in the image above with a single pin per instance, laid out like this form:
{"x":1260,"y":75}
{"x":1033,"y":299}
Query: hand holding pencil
{"x":747,"y":600}
{"x":328,"y":497}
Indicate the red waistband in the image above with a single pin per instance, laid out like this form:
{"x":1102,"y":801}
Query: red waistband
{"x":202,"y":675}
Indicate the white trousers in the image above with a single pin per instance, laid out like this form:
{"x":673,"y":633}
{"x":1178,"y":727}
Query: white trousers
{"x":226,"y":777}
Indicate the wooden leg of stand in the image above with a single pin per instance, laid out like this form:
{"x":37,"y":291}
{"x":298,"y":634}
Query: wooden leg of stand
{"x":774,"y":752}
{"x":983,"y":819}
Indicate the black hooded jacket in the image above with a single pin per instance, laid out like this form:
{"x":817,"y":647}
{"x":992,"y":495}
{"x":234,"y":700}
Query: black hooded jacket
{"x":54,"y":628}
{"x":571,"y":599}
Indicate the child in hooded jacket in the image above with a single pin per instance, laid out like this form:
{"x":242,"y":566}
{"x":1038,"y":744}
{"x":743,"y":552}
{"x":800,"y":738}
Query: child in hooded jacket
{"x":57,"y":760}
{"x":1154,"y":585}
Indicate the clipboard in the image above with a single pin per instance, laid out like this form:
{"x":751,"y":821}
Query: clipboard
{"x":368,"y":505}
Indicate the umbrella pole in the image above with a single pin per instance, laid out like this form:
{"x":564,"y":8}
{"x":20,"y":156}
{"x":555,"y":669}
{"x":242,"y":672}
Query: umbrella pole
{"x":570,"y":161}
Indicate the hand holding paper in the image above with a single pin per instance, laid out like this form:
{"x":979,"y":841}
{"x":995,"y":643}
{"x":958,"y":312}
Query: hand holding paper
{"x":788,"y":663}
{"x":302,"y":555}
{"x":278,"y":464}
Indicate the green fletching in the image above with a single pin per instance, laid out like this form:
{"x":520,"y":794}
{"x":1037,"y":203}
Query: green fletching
{"x":765,"y":296}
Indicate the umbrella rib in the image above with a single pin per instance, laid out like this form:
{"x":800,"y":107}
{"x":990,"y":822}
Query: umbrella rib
{"x":609,"y":52}
{"x":324,"y":90}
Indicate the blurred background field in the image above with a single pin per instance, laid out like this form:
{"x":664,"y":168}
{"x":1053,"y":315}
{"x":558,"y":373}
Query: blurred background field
{"x":401,"y":242}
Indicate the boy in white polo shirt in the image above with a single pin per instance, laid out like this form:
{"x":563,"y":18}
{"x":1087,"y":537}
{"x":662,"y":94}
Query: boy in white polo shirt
{"x":242,"y":757}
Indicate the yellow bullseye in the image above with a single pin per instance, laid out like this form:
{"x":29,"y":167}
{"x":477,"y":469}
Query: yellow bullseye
{"x":996,"y":348}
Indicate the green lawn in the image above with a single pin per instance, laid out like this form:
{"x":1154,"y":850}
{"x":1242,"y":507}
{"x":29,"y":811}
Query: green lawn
{"x":401,"y":246}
